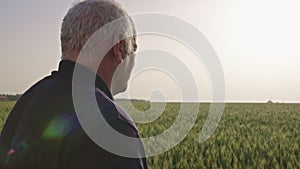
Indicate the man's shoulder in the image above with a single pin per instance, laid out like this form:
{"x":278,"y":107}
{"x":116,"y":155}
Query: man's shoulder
{"x":112,"y":111}
{"x":50,"y":84}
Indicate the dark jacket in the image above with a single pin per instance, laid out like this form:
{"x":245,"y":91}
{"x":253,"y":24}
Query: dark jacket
{"x":43,"y":132}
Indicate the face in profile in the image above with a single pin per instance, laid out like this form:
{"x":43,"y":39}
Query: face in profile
{"x":122,"y":74}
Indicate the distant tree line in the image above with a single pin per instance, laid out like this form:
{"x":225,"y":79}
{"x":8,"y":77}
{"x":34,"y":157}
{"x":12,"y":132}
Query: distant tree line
{"x":9,"y":97}
{"x":130,"y":99}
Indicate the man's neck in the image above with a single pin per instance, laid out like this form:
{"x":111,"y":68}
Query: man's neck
{"x":105,"y":77}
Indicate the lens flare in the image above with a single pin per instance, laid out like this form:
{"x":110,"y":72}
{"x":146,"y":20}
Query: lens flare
{"x":58,"y":127}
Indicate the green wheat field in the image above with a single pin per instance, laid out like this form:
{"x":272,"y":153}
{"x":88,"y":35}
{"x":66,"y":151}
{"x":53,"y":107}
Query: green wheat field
{"x":252,"y":135}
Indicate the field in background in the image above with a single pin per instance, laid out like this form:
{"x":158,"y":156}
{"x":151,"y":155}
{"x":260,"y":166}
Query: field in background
{"x":5,"y":107}
{"x":248,"y":136}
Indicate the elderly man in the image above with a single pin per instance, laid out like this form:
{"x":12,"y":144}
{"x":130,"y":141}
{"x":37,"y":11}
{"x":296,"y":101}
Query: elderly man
{"x":43,"y":130}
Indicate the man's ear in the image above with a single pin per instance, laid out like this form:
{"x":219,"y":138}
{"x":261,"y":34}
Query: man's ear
{"x":116,"y":49}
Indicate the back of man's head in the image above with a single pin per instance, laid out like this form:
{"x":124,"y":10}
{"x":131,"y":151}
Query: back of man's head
{"x":85,"y":18}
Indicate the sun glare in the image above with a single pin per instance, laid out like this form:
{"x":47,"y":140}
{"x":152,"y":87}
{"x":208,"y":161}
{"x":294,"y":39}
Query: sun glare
{"x":268,"y":27}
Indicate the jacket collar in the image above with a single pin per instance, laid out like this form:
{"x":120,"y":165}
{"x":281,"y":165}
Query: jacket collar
{"x":68,"y":67}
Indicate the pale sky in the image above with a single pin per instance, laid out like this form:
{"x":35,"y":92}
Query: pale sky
{"x":257,"y":42}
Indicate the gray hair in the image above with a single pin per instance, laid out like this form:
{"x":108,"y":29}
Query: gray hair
{"x":85,"y":18}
